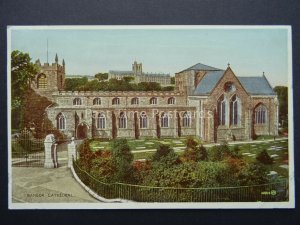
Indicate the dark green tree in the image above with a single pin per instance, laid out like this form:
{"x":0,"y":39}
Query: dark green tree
{"x":282,"y":93}
{"x":122,"y":159}
{"x":22,"y":73}
{"x":101,"y":76}
{"x":75,"y":84}
{"x":264,"y":157}
{"x":172,"y":80}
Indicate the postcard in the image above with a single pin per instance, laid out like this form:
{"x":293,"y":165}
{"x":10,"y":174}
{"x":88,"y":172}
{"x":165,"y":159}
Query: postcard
{"x":117,"y":117}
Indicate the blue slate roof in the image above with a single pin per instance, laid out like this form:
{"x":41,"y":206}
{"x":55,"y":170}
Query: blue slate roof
{"x":200,"y":66}
{"x":257,"y":85}
{"x":208,"y":82}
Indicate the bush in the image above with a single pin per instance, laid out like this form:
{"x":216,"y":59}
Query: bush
{"x":219,"y":152}
{"x":165,"y":155}
{"x":264,"y":158}
{"x":122,"y":160}
{"x":198,"y":153}
{"x":252,"y":174}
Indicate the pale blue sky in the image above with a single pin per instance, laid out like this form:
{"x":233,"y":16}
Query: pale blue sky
{"x":86,"y":52}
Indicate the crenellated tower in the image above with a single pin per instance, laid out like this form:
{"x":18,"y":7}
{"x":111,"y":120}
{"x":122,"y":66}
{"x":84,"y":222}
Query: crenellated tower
{"x":50,"y":78}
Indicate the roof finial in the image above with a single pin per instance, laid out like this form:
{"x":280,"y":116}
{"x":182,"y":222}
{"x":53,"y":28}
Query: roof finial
{"x":56,"y":58}
{"x":228,"y":64}
{"x":63,"y":63}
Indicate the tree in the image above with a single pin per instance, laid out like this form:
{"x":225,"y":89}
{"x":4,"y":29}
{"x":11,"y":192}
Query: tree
{"x":75,"y":84}
{"x":282,"y":93}
{"x":22,"y":73}
{"x":101,"y":76}
{"x":264,"y":157}
{"x":172,"y":80}
{"x":122,"y":159}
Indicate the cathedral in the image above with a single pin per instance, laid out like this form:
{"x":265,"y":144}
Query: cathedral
{"x":210,"y":103}
{"x":139,"y":76}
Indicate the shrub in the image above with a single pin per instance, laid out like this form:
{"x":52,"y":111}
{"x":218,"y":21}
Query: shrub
{"x":219,"y":152}
{"x":264,"y":157}
{"x":198,"y":153}
{"x":252,"y":174}
{"x":213,"y":174}
{"x":122,"y":160}
{"x":165,"y":155}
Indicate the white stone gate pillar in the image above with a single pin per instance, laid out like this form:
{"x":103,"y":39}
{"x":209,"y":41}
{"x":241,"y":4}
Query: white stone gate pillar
{"x":71,"y":152}
{"x":48,"y":143}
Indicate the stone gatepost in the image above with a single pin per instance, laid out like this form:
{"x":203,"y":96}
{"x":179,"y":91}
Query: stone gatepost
{"x":48,"y":143}
{"x":71,"y":152}
{"x":55,"y":157}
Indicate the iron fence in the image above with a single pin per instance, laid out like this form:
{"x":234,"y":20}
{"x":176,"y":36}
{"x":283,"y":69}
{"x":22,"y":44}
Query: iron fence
{"x":271,"y":192}
{"x":27,"y":150}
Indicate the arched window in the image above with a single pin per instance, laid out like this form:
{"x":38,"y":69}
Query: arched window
{"x":164,"y":120}
{"x":234,"y":110}
{"x":97,"y":101}
{"x":186,"y":120}
{"x":143,"y":120}
{"x":222,"y":110}
{"x":101,"y":121}
{"x":171,"y":101}
{"x":153,"y":101}
{"x":116,"y":101}
{"x":122,"y":120}
{"x":42,"y":81}
{"x":60,"y":122}
{"x":77,"y":101}
{"x":134,"y":101}
{"x":260,"y":114}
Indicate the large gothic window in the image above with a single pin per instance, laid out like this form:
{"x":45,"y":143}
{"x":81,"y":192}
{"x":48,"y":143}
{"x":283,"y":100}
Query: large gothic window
{"x":171,"y":101}
{"x":42,"y":81}
{"x":222,"y":110}
{"x":97,"y":101}
{"x":134,"y":101}
{"x":153,"y":101}
{"x":164,"y":120}
{"x":101,"y":121}
{"x":60,"y":122}
{"x":122,"y":120}
{"x":234,"y":110}
{"x":77,"y":101}
{"x":261,"y":114}
{"x":116,"y":101}
{"x":143,"y":120}
{"x":186,"y":120}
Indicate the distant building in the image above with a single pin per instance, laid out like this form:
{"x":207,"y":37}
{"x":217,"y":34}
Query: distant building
{"x":140,"y":76}
{"x":210,"y":103}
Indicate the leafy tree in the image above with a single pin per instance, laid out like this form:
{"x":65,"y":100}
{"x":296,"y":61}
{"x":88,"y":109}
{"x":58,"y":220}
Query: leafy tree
{"x":75,"y":84}
{"x":168,"y":88}
{"x":22,"y":73}
{"x":282,"y":93}
{"x":172,"y":80}
{"x":122,"y":159}
{"x":264,"y":157}
{"x":101,"y":76}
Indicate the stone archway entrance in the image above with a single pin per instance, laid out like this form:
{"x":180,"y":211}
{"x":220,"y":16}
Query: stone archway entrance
{"x":82,"y":130}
